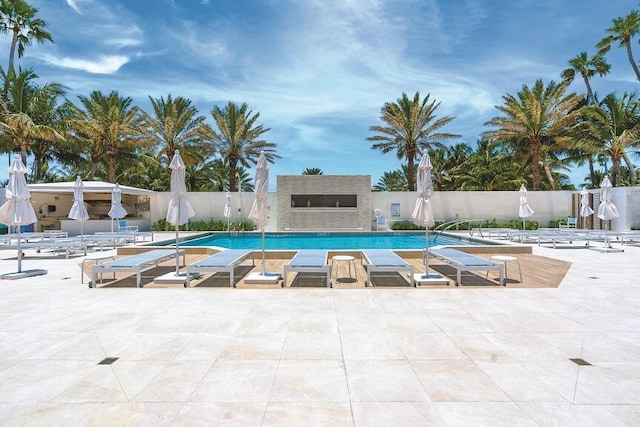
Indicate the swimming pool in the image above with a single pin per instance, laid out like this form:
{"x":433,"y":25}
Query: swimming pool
{"x":330,"y":241}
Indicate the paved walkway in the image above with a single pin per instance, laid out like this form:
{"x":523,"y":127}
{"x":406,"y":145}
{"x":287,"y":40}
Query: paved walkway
{"x":315,"y":356}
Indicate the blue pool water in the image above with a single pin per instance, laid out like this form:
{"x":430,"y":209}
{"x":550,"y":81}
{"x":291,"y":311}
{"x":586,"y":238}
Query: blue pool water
{"x":275,"y":241}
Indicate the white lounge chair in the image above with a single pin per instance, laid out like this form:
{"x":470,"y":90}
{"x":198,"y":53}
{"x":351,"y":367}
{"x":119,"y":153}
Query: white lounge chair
{"x":385,"y":260}
{"x":223,"y":261}
{"x":134,"y":264}
{"x":463,"y":261}
{"x":309,"y":261}
{"x":57,"y":246}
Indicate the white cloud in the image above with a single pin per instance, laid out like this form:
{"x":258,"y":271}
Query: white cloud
{"x":74,"y":4}
{"x":105,"y":64}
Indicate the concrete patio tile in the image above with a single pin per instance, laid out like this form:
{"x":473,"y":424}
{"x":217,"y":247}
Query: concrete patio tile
{"x":409,"y":323}
{"x":133,"y":376}
{"x":608,"y":383}
{"x":361,"y":322}
{"x":477,"y":347}
{"x":310,"y":381}
{"x":308,"y":414}
{"x":38,"y":381}
{"x":371,"y":346}
{"x":458,"y":321}
{"x":429,"y":346}
{"x":240,"y":414}
{"x":457,"y":381}
{"x":254,"y":347}
{"x":262,"y":322}
{"x":156,"y":346}
{"x":630,"y":414}
{"x":312,"y":346}
{"x":518,"y":383}
{"x":175,"y":383}
{"x":383,"y":381}
{"x":484,"y":414}
{"x":92,"y":414}
{"x":236,"y":381}
{"x":396,"y":414}
{"x":567,"y":414}
{"x":525,"y":346}
{"x":203,"y":346}
{"x":313,"y":322}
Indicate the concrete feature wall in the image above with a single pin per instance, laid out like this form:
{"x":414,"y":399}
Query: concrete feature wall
{"x":324,"y":213}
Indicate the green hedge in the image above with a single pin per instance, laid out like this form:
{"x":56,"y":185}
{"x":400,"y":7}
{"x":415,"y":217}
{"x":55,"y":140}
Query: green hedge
{"x":212,"y":224}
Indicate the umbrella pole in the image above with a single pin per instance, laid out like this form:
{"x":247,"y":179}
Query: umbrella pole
{"x":19,"y":252}
{"x":177,"y":252}
{"x":112,"y":225}
{"x":427,"y":251}
{"x":263,"y":255}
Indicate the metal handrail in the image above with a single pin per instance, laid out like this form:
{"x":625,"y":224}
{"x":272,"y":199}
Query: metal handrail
{"x":439,"y":230}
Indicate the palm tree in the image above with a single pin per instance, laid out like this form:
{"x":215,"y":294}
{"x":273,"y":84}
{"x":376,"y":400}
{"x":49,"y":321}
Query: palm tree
{"x":535,"y":117}
{"x":30,"y":112}
{"x":614,"y":128}
{"x":411,"y":127}
{"x":107,"y":124}
{"x":176,"y":125}
{"x":312,"y":171}
{"x":19,"y":18}
{"x":238,"y":138}
{"x":392,"y":181}
{"x":623,"y":30}
{"x":587,"y":67}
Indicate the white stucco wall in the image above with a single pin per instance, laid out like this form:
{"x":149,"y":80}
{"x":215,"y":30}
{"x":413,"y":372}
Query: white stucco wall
{"x":501,"y":205}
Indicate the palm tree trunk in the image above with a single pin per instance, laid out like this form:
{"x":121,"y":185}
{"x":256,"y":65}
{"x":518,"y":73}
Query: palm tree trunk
{"x":232,"y":176}
{"x":633,"y":175}
{"x":592,"y":171}
{"x":632,"y":61}
{"x":12,"y":51}
{"x":112,"y":165}
{"x":589,"y":91}
{"x":535,"y":163}
{"x":615,"y":171}
{"x":549,"y":174}
{"x":411,"y":179}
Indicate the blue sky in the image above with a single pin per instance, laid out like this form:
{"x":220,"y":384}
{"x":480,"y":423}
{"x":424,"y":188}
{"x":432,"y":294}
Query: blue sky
{"x":318,"y":71}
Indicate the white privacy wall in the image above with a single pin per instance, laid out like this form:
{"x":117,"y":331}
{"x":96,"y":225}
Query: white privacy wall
{"x":447,"y":205}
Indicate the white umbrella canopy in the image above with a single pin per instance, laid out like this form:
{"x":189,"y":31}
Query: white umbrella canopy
{"x":423,"y":211}
{"x":585,"y":207}
{"x":78,"y":210}
{"x":179,"y":210}
{"x":227,"y":210}
{"x":18,"y":210}
{"x":117,"y":211}
{"x":525,"y":210}
{"x":258,"y":213}
{"x":606,"y":210}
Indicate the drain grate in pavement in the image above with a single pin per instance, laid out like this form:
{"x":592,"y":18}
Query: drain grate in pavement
{"x":108,"y":361}
{"x":593,"y":277}
{"x":580,"y":362}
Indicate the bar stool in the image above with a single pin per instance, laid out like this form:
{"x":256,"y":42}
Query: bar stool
{"x":349,"y":260}
{"x":504,"y":259}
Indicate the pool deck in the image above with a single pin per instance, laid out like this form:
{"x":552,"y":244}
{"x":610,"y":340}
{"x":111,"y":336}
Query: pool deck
{"x":480,"y":354}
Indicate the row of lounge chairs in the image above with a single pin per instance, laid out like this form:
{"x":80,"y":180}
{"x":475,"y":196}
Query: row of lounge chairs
{"x":304,"y":261}
{"x":555,"y":236}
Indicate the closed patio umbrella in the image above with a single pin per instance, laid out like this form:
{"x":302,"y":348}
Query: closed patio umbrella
{"x":78,"y":210}
{"x":585,"y":207}
{"x":525,"y":210}
{"x":423,"y":212}
{"x":606,"y":210}
{"x":258,"y":213}
{"x":17,"y":210}
{"x":117,"y":211}
{"x":179,"y":210}
{"x":227,"y":210}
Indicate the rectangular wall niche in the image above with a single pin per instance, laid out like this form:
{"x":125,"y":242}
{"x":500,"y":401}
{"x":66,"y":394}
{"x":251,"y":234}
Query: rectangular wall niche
{"x":324,"y":201}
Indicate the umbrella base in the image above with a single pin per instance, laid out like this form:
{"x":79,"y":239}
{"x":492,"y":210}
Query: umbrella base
{"x":429,"y":279}
{"x":172,"y":279}
{"x":23,"y":274}
{"x":263,"y":279}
